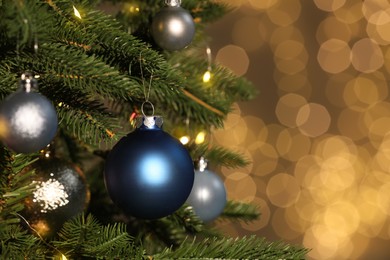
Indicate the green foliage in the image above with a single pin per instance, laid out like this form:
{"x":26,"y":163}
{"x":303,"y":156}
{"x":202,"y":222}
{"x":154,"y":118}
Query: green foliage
{"x":238,"y":210}
{"x":233,"y":248}
{"x":218,"y":155}
{"x":13,"y":189}
{"x":15,"y":241}
{"x":94,"y":70}
{"x":84,"y":236}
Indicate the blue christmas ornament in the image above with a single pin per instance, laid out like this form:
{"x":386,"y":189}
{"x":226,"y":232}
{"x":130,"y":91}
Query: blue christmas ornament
{"x":149,"y":174}
{"x":208,"y":195}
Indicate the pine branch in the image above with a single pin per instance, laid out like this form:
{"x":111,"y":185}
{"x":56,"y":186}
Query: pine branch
{"x":211,"y":101}
{"x":240,"y":211}
{"x":14,"y":189}
{"x":107,"y":39}
{"x":224,"y":87}
{"x":218,"y":155}
{"x":175,"y":228}
{"x":8,"y":81}
{"x":77,"y":71}
{"x":16,"y":243}
{"x":86,"y":237}
{"x":206,"y":11}
{"x":21,"y":22}
{"x":123,"y":51}
{"x":229,"y":248}
{"x":89,"y":128}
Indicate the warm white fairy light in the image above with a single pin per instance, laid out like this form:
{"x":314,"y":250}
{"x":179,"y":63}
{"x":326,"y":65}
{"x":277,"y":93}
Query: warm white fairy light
{"x":200,"y":137}
{"x":76,"y":12}
{"x":185,"y":139}
{"x":50,"y":195}
{"x":206,"y":76}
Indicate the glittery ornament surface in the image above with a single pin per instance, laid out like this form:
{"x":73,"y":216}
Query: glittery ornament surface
{"x":60,"y":193}
{"x":50,"y":195}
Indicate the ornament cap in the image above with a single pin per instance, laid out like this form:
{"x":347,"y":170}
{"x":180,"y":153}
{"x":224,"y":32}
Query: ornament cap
{"x":149,"y":122}
{"x":201,"y":164}
{"x":173,"y":3}
{"x":28,"y":82}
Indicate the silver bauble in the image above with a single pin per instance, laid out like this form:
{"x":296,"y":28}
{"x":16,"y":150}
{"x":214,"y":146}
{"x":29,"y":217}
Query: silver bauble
{"x":28,"y":121}
{"x":173,"y":28}
{"x":208,"y":195}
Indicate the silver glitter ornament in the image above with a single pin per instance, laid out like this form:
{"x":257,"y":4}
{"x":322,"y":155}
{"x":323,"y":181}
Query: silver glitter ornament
{"x":173,"y":28}
{"x":60,"y":193}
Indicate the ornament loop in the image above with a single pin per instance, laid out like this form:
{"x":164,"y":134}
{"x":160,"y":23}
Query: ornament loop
{"x":142,"y":107}
{"x":173,"y":2}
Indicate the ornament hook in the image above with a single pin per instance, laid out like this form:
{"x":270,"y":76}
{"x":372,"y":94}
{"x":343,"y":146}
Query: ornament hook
{"x":173,"y":2}
{"x":28,"y":82}
{"x":146,"y":90}
{"x":202,"y":164}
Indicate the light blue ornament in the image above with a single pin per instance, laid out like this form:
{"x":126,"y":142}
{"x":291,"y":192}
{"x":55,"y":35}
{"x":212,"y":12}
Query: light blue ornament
{"x":208,"y":195}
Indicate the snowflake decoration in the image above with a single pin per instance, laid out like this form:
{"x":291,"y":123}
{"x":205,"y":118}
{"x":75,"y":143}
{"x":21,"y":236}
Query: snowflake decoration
{"x":50,"y":195}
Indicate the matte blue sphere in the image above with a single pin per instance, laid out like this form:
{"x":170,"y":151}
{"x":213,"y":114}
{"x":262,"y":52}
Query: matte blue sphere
{"x":208,"y":195}
{"x":149,"y":174}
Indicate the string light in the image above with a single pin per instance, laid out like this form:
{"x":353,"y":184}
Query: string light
{"x":185,"y":139}
{"x":131,"y":8}
{"x":207,"y":74}
{"x":76,"y":12}
{"x":200,"y":137}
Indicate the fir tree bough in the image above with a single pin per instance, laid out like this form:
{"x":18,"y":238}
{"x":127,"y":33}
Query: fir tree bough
{"x":94,"y":68}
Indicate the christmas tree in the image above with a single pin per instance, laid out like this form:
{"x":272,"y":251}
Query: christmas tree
{"x":99,"y":65}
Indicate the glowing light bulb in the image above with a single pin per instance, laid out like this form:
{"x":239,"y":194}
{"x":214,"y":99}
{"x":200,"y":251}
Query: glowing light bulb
{"x":206,"y":76}
{"x":133,"y":9}
{"x":200,"y":137}
{"x":76,"y":12}
{"x":184,"y":139}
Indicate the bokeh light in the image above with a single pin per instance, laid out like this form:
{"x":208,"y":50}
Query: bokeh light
{"x":332,"y":28}
{"x":247,"y":34}
{"x":234,"y":58}
{"x":286,"y":13}
{"x":317,"y":136}
{"x":329,"y":5}
{"x":334,"y":56}
{"x":313,"y":119}
{"x":367,"y":55}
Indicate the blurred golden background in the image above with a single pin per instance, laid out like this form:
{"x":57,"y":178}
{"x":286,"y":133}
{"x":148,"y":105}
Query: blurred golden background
{"x":317,"y":134}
